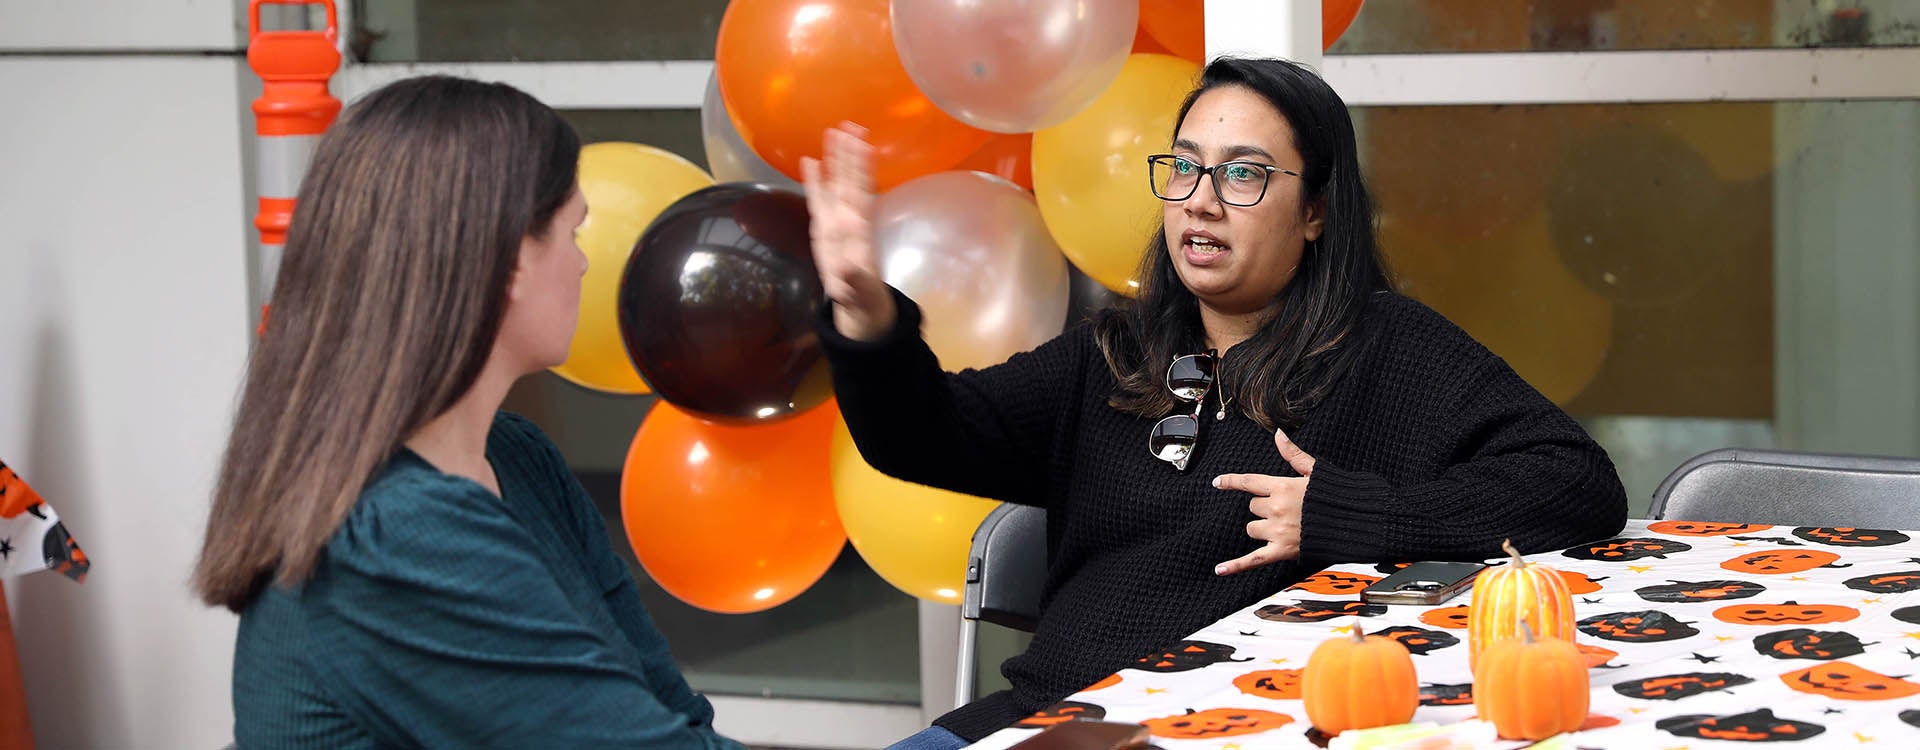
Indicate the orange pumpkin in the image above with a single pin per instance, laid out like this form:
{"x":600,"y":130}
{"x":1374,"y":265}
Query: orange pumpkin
{"x":1843,"y":680}
{"x":1359,"y":683}
{"x":1780,"y":561}
{"x":1278,"y":684}
{"x":1532,"y":689}
{"x":1456,"y":617}
{"x":1335,"y":582}
{"x":1705,"y":528}
{"x":1506,"y":596}
{"x":1216,"y":722}
{"x":1784,"y":614}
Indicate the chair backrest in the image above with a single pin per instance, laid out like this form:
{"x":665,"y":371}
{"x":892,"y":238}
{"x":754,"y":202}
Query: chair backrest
{"x":1785,"y":487}
{"x":1007,"y":567}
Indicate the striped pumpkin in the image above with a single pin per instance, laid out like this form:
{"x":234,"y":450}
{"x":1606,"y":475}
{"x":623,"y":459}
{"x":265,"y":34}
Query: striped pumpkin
{"x":1505,"y":597}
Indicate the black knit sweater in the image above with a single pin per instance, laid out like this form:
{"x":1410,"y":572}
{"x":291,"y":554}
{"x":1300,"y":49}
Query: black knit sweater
{"x":1429,"y":448}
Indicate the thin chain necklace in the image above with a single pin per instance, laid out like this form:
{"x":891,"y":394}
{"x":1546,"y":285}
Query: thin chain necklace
{"x":1220,"y":380}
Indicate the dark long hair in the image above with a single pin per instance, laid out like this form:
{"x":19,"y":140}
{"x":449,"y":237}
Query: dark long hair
{"x":404,"y":239}
{"x":1280,"y":373}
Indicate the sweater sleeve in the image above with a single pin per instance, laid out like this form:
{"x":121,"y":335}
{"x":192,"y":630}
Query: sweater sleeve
{"x":441,"y":625}
{"x":611,"y":574}
{"x":1520,"y":469}
{"x":986,"y":432}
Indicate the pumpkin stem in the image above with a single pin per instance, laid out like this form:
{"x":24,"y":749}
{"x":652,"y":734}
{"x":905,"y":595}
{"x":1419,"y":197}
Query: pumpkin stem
{"x":1507,"y":546}
{"x":1526,"y":630}
{"x":1356,"y":635}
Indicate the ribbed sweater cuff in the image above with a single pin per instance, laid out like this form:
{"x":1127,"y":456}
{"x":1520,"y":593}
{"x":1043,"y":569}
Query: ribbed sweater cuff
{"x":906,"y":327}
{"x":1348,"y":516}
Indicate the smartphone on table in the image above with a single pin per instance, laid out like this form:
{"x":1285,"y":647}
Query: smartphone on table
{"x":1423,"y":583}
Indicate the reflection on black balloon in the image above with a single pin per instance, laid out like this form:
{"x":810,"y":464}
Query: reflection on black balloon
{"x":716,"y":305}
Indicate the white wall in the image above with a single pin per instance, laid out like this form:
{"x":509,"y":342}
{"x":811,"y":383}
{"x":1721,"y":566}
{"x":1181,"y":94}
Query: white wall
{"x":123,"y":311}
{"x":185,"y":25}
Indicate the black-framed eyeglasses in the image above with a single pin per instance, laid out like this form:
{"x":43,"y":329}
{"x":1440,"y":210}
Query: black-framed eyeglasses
{"x":1174,"y":438}
{"x":1238,"y":183}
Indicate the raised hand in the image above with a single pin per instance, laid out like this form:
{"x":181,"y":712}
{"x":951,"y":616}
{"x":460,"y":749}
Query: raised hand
{"x":1276,"y":506}
{"x":840,"y":199}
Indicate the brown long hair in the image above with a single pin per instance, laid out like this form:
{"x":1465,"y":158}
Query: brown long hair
{"x":390,"y":295}
{"x":1300,"y":352}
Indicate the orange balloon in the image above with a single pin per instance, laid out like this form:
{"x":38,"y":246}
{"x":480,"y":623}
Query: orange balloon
{"x":732,"y":519}
{"x":790,"y":69}
{"x":1008,"y":157}
{"x":1335,"y":17}
{"x":1180,"y":26}
{"x":1144,"y":44}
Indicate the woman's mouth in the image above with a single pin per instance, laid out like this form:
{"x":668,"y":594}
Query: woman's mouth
{"x":1203,"y":249}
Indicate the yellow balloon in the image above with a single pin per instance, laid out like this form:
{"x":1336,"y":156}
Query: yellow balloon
{"x":1090,"y":172}
{"x":916,"y":537}
{"x":626,"y":186}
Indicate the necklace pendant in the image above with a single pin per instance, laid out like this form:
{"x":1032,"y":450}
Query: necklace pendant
{"x":1222,"y":414}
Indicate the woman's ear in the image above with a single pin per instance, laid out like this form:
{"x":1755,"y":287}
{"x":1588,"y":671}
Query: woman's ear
{"x":515,"y":279}
{"x":1314,"y":222}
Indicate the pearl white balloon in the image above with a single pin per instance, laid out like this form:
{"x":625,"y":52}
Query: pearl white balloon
{"x":972,"y":251}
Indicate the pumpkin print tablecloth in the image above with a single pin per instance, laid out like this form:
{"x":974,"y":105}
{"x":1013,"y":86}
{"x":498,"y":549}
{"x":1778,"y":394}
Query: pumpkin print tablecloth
{"x":1699,"y":635}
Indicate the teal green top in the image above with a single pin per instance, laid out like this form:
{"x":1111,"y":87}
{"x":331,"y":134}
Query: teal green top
{"x":443,"y":615}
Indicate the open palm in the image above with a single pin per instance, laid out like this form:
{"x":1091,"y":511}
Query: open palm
{"x":840,"y":199}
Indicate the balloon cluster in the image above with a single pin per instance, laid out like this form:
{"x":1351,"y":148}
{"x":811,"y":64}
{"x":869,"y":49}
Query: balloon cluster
{"x":1010,"y":138}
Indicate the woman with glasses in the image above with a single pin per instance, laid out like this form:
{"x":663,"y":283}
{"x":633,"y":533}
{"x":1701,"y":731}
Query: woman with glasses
{"x":1266,"y":406}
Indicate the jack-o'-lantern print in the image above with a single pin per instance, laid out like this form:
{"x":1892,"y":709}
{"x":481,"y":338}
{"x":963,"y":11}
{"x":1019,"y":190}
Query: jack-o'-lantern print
{"x":1104,"y":683}
{"x":1848,"y":682}
{"x":1646,"y":626}
{"x":1419,"y":641}
{"x":1307,"y":610}
{"x":1674,"y":687}
{"x":1335,"y":582}
{"x":1806,"y":643}
{"x":1627,"y":548}
{"x":1680,"y":592}
{"x":1061,"y":713}
{"x":1597,"y":721}
{"x":1452,"y":618}
{"x":1907,"y":614}
{"x":1187,"y":656}
{"x":1841,"y":536}
{"x":1447,"y":695}
{"x":1781,"y":561}
{"x":1278,"y":684}
{"x":1899,"y":582}
{"x":1596,"y":656}
{"x":1789,"y":613}
{"x":1759,"y":725}
{"x":1580,"y":583}
{"x":1705,"y":528}
{"x":1216,"y":722}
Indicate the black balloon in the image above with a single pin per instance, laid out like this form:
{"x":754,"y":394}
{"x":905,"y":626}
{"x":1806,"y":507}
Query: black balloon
{"x":717,"y":305}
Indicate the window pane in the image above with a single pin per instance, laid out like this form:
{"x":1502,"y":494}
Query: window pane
{"x":535,"y":30}
{"x":1681,"y":277}
{"x":1401,"y":26}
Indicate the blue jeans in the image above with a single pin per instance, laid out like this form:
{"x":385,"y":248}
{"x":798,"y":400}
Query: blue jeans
{"x":931,"y":738}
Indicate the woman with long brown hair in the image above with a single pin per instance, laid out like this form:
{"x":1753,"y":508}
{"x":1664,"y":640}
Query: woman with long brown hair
{"x":411,"y":566}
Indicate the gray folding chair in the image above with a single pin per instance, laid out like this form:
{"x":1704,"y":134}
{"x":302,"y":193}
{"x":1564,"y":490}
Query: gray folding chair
{"x":1737,"y":485}
{"x":1005,"y":572}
